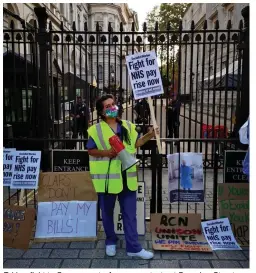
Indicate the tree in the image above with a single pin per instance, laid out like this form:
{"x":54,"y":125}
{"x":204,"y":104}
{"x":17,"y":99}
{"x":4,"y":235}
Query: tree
{"x":164,"y":14}
{"x":172,"y":13}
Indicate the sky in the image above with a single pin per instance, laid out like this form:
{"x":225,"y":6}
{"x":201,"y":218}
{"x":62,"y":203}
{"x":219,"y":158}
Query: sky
{"x":142,"y":8}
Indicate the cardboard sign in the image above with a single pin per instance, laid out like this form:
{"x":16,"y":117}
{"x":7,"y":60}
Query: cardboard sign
{"x":118,"y":219}
{"x":219,"y":235}
{"x":70,"y":161}
{"x":181,"y":232}
{"x":144,"y":74}
{"x":234,"y":204}
{"x":233,"y":167}
{"x":18,"y":224}
{"x":233,"y":191}
{"x":70,"y":219}
{"x":25,"y":170}
{"x":8,"y":159}
{"x":66,"y":186}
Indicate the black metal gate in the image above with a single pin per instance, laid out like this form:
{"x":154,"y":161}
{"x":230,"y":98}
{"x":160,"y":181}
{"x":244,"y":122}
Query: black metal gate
{"x":45,"y":70}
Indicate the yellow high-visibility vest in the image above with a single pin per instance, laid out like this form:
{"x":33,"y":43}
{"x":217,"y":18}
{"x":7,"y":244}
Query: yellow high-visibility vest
{"x":106,"y":174}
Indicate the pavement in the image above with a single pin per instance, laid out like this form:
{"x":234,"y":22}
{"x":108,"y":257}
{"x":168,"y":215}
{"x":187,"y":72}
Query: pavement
{"x":92,"y":255}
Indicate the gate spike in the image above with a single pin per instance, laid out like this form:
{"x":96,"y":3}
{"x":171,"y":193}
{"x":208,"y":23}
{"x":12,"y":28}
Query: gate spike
{"x":217,"y":25}
{"x":61,"y":26}
{"x":241,"y":24}
{"x":156,"y":26}
{"x":97,"y":27}
{"x":180,"y":26}
{"x":192,"y":27}
{"x":205,"y":24}
{"x":121,"y":27}
{"x":144,"y":26}
{"x":229,"y":24}
{"x":74,"y":26}
{"x":85,"y":26}
{"x":50,"y":25}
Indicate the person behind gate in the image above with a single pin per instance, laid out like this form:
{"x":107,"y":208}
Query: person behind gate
{"x":109,"y":180}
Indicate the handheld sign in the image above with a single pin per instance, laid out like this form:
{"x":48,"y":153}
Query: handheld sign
{"x":25,"y":170}
{"x":145,"y":80}
{"x":219,"y":235}
{"x":18,"y":225}
{"x":8,"y":159}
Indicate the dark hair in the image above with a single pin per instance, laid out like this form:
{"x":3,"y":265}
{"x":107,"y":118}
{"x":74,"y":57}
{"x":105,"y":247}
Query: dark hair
{"x":99,"y":108}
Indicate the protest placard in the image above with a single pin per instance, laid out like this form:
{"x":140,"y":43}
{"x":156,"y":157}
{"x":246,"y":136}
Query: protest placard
{"x":25,"y":170}
{"x":180,"y":232}
{"x":186,"y":177}
{"x":233,"y":167}
{"x":144,"y":74}
{"x":234,"y":204}
{"x":66,"y":186}
{"x":70,"y":161}
{"x":67,"y":204}
{"x":118,"y":219}
{"x":219,"y":235}
{"x":8,"y":159}
{"x":57,"y":221}
{"x":18,"y":224}
{"x":146,"y":81}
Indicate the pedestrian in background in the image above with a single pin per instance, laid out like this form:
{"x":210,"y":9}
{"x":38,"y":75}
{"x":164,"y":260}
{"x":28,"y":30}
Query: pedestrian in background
{"x":173,"y":116}
{"x":81,"y":118}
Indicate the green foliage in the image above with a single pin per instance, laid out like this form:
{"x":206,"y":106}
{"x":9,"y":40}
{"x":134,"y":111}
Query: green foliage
{"x":165,"y":13}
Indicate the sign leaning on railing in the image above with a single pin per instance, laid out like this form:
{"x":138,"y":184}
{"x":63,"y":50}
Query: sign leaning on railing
{"x":146,"y":81}
{"x":67,"y":207}
{"x":70,"y":161}
{"x":8,"y":160}
{"x":233,"y":167}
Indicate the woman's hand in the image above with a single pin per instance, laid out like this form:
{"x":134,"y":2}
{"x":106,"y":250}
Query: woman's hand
{"x":153,"y":132}
{"x":110,"y":153}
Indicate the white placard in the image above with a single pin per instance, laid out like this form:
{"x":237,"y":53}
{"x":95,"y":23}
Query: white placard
{"x":67,"y":219}
{"x":118,"y":220}
{"x":25,"y":170}
{"x":144,"y":74}
{"x":8,"y":159}
{"x":219,"y":234}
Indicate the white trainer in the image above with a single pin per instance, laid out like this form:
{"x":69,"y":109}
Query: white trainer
{"x":143,"y":254}
{"x":111,"y":250}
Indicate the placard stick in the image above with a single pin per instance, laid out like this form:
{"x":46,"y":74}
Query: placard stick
{"x":158,"y":142}
{"x":22,"y":194}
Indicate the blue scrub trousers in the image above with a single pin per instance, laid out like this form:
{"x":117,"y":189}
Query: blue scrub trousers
{"x":127,"y":201}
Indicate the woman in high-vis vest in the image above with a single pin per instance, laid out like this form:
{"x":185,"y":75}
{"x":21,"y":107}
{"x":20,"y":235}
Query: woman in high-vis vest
{"x":109,"y":180}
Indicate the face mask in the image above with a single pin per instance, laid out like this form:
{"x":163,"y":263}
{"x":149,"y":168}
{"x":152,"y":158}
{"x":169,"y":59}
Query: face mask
{"x":112,"y":112}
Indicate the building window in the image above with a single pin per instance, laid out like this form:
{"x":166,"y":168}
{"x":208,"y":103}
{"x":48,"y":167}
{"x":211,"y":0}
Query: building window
{"x":100,"y":72}
{"x":78,"y":22}
{"x":112,"y":29}
{"x":214,"y":19}
{"x":71,"y":14}
{"x":62,"y":9}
